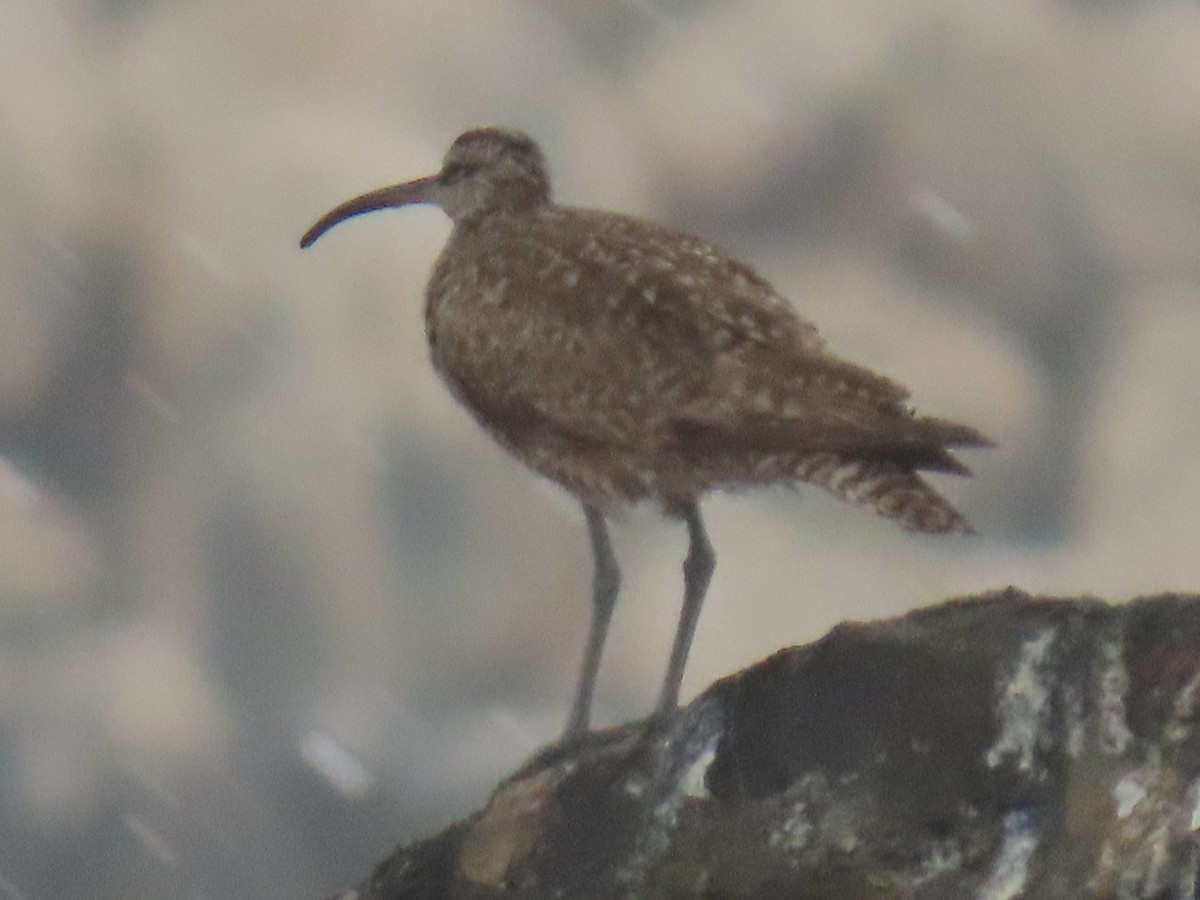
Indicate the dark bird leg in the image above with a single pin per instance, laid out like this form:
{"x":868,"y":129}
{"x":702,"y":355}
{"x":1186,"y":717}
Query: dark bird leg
{"x":698,"y":567}
{"x":605,"y":584}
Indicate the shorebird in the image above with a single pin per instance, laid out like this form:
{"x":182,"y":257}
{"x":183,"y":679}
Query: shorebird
{"x":629,"y":361}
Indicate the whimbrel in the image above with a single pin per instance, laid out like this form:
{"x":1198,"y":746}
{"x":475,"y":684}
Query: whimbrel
{"x":630,"y":361}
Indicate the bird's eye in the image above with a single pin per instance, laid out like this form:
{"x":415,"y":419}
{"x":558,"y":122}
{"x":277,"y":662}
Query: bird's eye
{"x":456,"y":172}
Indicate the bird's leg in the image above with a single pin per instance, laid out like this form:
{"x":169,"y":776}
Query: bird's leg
{"x":605,"y":583}
{"x":698,"y":567}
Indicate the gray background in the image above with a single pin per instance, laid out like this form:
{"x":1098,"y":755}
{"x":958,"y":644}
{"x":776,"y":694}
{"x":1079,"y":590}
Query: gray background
{"x":270,"y":602}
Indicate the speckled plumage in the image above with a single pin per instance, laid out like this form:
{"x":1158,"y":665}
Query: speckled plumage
{"x":629,"y":361}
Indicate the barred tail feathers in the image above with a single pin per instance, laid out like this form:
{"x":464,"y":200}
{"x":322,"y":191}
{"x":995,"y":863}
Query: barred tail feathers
{"x":892,"y":492}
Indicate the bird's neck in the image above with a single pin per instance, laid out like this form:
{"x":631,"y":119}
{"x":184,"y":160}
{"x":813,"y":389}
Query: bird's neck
{"x":506,"y":216}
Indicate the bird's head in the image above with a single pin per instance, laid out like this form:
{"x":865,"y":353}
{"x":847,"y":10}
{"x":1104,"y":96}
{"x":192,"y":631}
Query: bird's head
{"x":485,"y":171}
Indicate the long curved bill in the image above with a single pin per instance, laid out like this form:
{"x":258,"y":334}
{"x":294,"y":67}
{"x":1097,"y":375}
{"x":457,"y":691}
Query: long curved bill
{"x":419,"y":191}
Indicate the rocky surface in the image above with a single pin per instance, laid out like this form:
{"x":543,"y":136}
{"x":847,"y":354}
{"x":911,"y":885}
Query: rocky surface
{"x":995,"y":747}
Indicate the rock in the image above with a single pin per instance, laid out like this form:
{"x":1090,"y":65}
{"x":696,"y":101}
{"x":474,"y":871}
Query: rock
{"x":995,"y":747}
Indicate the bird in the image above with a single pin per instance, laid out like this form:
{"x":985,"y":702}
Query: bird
{"x":629,"y":361}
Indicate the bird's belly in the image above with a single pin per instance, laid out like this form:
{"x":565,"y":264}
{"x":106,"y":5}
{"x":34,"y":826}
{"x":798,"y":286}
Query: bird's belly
{"x":596,"y":424}
{"x":600,"y":473}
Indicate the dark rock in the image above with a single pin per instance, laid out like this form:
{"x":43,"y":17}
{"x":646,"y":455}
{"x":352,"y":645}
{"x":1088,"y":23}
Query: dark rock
{"x":996,"y":747}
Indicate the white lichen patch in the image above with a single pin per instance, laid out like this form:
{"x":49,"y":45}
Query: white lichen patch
{"x":1152,"y":812}
{"x":657,"y":836}
{"x":635,"y":786}
{"x":840,"y":825}
{"x":1183,"y":711}
{"x":692,"y":783}
{"x":1193,"y":804}
{"x":944,"y":859}
{"x":1130,"y":791}
{"x":1145,"y":877}
{"x":1010,"y":869}
{"x":1076,"y":728}
{"x":1115,"y":735}
{"x":1023,"y":705}
{"x":794,"y":833}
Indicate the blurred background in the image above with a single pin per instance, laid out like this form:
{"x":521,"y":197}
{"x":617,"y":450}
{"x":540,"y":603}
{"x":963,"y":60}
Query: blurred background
{"x":270,"y":602}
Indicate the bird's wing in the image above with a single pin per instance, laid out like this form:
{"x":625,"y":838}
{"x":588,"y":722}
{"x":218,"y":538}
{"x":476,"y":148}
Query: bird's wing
{"x":753,"y":332}
{"x":696,"y":280}
{"x":767,"y":403}
{"x":618,"y":331}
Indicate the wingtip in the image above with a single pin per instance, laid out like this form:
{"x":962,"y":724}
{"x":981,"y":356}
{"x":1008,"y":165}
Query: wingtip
{"x":952,"y":434}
